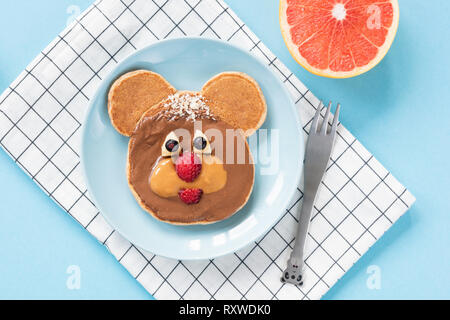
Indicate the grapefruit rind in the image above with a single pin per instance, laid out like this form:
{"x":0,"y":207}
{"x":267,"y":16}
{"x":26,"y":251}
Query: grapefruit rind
{"x":293,"y":49}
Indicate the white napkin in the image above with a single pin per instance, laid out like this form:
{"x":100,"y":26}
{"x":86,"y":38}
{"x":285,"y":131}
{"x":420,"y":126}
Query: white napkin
{"x":42,"y":111}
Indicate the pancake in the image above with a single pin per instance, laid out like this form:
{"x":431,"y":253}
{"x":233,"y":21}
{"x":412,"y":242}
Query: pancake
{"x":145,"y":107}
{"x":144,"y":154}
{"x":237,"y":99}
{"x":133,"y":94}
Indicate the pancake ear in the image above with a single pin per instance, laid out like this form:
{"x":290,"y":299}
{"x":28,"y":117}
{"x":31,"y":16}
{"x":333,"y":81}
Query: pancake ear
{"x":237,"y":99}
{"x":132,"y":95}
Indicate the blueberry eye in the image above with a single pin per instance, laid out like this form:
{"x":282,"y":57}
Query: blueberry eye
{"x":200,"y":143}
{"x":172,"y":145}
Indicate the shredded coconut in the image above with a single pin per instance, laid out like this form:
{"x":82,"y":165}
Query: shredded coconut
{"x":186,"y":105}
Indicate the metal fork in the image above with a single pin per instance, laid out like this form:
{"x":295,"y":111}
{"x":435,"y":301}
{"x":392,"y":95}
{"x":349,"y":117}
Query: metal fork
{"x":318,"y":152}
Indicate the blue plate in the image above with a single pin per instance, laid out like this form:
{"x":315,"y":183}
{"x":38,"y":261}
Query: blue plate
{"x":187,"y":63}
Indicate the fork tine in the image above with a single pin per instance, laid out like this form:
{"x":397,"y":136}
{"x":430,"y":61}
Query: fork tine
{"x":316,"y":119}
{"x":323,"y":129}
{"x":336,"y":118}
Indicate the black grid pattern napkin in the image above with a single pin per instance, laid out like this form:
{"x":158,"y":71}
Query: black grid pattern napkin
{"x":42,"y":111}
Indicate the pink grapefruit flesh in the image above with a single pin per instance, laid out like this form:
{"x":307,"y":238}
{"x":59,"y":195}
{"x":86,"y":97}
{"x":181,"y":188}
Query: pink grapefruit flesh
{"x":338,"y":38}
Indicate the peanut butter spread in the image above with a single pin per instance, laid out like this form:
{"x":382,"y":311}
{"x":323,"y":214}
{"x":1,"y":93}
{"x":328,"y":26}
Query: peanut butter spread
{"x":165,"y":182}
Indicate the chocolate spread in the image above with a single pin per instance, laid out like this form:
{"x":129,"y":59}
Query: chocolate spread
{"x":145,"y":152}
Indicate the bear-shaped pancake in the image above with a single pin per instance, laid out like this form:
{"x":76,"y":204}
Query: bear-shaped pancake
{"x":188,"y":158}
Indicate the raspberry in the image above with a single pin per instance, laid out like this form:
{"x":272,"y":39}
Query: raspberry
{"x":188,"y":166}
{"x":190,"y":196}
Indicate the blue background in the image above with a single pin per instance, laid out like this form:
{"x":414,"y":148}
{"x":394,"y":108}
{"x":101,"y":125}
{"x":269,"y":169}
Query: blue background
{"x":399,"y":111}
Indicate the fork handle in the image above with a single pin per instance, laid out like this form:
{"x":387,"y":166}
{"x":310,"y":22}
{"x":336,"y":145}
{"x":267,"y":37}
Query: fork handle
{"x":303,"y":226}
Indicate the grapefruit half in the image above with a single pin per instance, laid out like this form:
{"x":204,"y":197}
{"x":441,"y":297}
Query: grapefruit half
{"x":338,"y":38}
